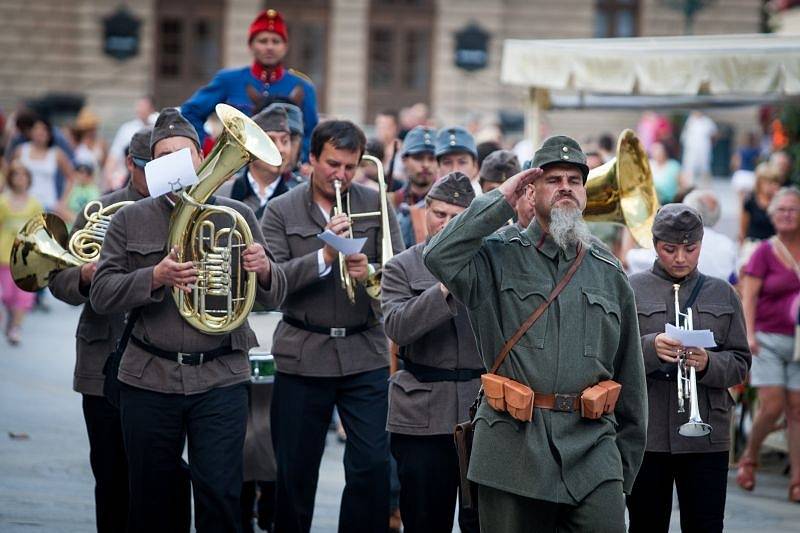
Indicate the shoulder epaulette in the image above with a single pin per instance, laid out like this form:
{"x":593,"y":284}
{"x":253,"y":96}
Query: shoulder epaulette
{"x":606,"y":256}
{"x":301,"y":75}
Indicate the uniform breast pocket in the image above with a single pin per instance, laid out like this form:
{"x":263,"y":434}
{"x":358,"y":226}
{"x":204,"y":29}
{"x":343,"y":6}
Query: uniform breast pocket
{"x":652,"y":316}
{"x":145,"y":254}
{"x":302,"y":239}
{"x":409,"y":401}
{"x":369,"y":228}
{"x":716,"y":317}
{"x":602,"y":324}
{"x":521,"y":296}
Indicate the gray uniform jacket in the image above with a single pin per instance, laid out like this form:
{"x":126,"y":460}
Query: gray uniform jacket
{"x":431,"y":330}
{"x":291,"y":224}
{"x":137,"y":241}
{"x":717,"y":308}
{"x":587,"y":335}
{"x":97,"y":334}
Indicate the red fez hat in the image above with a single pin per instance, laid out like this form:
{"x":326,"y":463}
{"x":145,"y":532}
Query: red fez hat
{"x":269,"y":20}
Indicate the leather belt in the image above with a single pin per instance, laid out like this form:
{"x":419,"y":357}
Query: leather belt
{"x":429,"y":374}
{"x":183,"y":358}
{"x":337,"y":333}
{"x":557,"y":402}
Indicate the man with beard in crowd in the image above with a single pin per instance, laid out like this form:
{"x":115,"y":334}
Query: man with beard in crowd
{"x":420,"y":165}
{"x":554,"y":447}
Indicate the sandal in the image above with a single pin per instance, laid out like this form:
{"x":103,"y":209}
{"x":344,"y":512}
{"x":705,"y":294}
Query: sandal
{"x":794,"y":492}
{"x":746,"y":477}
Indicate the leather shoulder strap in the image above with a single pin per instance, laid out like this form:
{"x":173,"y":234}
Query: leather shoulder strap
{"x":506,"y":349}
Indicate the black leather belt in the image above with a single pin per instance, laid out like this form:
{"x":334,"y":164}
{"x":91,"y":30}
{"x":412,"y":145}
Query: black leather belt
{"x":428,"y":374}
{"x":331,"y":332}
{"x":183,"y":358}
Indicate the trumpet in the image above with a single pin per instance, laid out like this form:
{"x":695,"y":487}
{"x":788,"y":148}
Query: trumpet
{"x":687,"y":386}
{"x":372,"y":284}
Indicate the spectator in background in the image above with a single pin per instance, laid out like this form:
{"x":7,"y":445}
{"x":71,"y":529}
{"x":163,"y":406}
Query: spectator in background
{"x":485,"y":148}
{"x":413,"y":116}
{"x":696,"y":140}
{"x":769,"y":288}
{"x":718,"y":252}
{"x":16,"y":207}
{"x":746,"y":156}
{"x":90,"y":149}
{"x":666,"y":173}
{"x":607,"y":147}
{"x":755,"y":223}
{"x":44,"y":160}
{"x":456,"y":151}
{"x":84,"y":191}
{"x":781,"y":161}
{"x":387,"y":130}
{"x":593,"y":159}
{"x":366,"y":172}
{"x":114,"y":170}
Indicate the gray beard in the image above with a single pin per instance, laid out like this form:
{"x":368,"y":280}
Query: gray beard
{"x":568,"y":228}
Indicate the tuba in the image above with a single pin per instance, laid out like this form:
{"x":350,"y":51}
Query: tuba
{"x":621,"y":191}
{"x":224,"y":293}
{"x":373,"y":282}
{"x":41,"y":249}
{"x":687,"y":385}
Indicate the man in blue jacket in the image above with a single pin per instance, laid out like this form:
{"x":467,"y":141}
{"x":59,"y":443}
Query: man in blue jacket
{"x":251,"y":87}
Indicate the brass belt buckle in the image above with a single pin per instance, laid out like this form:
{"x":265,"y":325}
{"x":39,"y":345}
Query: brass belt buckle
{"x":563,"y":402}
{"x":338,"y":333}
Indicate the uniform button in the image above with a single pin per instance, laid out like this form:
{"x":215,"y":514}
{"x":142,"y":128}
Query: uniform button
{"x":564,"y":157}
{"x":564,"y":149}
{"x":452,"y":143}
{"x":172,"y":126}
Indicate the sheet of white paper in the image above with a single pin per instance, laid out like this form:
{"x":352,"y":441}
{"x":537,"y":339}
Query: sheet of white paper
{"x":170,"y":172}
{"x":700,"y":338}
{"x":342,"y":244}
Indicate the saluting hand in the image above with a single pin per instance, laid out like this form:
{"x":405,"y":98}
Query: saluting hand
{"x":514,"y":187}
{"x":170,"y":273}
{"x":254,"y":259}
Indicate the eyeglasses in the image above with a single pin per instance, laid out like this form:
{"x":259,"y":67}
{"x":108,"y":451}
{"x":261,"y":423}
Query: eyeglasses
{"x":787,"y":210}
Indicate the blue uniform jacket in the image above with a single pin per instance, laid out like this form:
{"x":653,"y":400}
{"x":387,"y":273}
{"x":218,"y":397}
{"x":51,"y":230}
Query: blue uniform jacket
{"x":230,"y":86}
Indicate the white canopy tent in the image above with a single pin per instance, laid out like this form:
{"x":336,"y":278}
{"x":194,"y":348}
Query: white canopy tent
{"x":759,"y":65}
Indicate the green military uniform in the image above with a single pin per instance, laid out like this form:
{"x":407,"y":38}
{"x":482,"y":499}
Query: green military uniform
{"x":587,"y":335}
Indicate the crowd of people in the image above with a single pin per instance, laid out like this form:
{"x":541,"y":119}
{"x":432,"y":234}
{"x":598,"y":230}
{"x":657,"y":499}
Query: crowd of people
{"x":487,"y":236}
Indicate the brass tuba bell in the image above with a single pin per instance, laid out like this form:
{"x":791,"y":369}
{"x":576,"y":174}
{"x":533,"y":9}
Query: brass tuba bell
{"x":39,"y":250}
{"x":225,"y":292}
{"x":622,"y":191}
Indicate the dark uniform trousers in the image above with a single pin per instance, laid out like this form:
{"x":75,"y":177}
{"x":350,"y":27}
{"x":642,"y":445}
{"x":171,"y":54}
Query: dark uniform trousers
{"x":601,"y":511}
{"x":154,"y":428}
{"x":301,"y":413}
{"x":428,"y":469}
{"x":109,"y":465}
{"x":701,"y":482}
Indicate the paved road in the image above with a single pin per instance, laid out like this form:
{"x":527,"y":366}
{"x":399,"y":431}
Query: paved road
{"x":46,"y":484}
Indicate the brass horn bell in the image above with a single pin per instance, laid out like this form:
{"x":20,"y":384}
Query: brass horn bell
{"x":622,"y":191}
{"x":39,"y":250}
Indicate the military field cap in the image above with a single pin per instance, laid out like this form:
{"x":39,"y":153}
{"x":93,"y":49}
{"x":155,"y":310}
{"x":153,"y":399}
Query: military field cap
{"x":456,"y":139}
{"x":499,"y":166}
{"x":561,"y":149}
{"x":419,"y":140}
{"x":454,"y":188}
{"x":678,"y":224}
{"x":273,"y":119}
{"x":171,"y":123}
{"x":294,"y":113}
{"x":139,"y":149}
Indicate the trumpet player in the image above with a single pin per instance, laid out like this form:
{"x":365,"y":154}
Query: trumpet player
{"x":177,"y":381}
{"x":95,"y":339}
{"x":696,"y":465}
{"x":329,"y":351}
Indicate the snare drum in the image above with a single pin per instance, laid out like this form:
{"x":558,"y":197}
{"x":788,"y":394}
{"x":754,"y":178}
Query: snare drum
{"x":262,"y":367}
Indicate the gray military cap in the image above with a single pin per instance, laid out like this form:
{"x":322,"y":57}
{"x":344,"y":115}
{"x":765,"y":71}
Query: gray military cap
{"x":139,"y":149}
{"x":678,"y":224}
{"x":499,"y":166}
{"x":454,"y":188}
{"x":171,"y":123}
{"x":455,"y":139}
{"x":561,"y":149}
{"x":419,"y":140}
{"x":295,"y":116}
{"x":273,"y":119}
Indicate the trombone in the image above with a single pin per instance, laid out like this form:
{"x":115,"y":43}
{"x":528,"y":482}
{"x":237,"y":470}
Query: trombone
{"x":373,"y":282}
{"x":687,"y":386}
